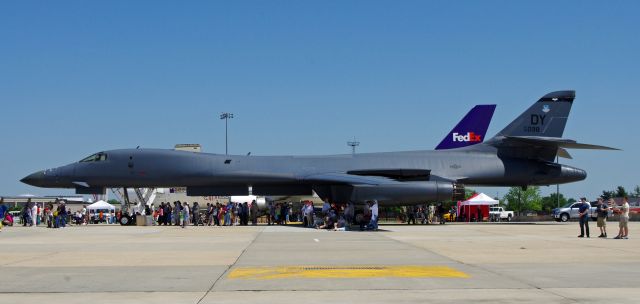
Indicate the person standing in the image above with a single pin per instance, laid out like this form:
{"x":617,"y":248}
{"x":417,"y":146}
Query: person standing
{"x":48,"y":211}
{"x":272,"y":214}
{"x":373,"y":224}
{"x":277,"y":214}
{"x":254,"y":213}
{"x":241,"y":213}
{"x":84,"y":215}
{"x":227,"y":214}
{"x":196,"y":214}
{"x":26,"y":213}
{"x":185,"y":214}
{"x":216,"y":210}
{"x":624,"y":219}
{"x":63,"y":215}
{"x":431,"y":213}
{"x":209,"y":214}
{"x":284,"y":214}
{"x":603,"y":212}
{"x":583,"y":215}
{"x":325,"y":206}
{"x":160,"y":213}
{"x":440,"y":213}
{"x":177,"y":207}
{"x":411,"y":216}
{"x":349,"y":213}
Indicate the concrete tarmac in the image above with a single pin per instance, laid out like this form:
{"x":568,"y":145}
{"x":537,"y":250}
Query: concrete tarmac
{"x":493,"y":263}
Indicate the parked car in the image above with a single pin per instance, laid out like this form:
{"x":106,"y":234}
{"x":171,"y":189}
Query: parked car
{"x":570,"y":211}
{"x":497,"y":214}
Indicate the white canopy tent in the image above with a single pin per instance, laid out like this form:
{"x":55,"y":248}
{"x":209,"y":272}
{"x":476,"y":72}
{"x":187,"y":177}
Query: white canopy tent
{"x":101,"y":205}
{"x":480,"y":200}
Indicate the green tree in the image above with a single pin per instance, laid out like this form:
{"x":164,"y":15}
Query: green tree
{"x":469,"y":192}
{"x":113,"y":202}
{"x":521,"y":200}
{"x":550,"y":202}
{"x":607,"y":194}
{"x":621,"y":192}
{"x":571,"y":200}
{"x":636,"y":191}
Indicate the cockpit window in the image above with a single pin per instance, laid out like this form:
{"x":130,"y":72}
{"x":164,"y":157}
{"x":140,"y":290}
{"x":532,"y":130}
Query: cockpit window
{"x":95,"y":158}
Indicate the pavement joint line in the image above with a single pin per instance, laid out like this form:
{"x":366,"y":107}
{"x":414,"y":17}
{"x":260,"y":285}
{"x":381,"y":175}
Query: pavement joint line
{"x":485,"y":269}
{"x":316,"y":290}
{"x":464,"y":263}
{"x":229,"y":267}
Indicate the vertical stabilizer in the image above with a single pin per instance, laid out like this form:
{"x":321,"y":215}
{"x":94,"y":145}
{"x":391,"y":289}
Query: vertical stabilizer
{"x":470,"y":130}
{"x":547,"y":117}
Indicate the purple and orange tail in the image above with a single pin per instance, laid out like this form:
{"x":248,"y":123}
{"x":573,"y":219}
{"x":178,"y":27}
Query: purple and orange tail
{"x":470,"y":130}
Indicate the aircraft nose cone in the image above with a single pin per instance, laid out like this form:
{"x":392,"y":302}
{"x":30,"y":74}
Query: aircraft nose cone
{"x":34,"y":179}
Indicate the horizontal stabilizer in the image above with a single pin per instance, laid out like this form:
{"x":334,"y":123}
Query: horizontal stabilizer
{"x":553,"y":142}
{"x":564,"y":153}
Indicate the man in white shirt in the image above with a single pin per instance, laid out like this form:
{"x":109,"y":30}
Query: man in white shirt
{"x":624,"y":219}
{"x":84,"y":215}
{"x":373,"y":224}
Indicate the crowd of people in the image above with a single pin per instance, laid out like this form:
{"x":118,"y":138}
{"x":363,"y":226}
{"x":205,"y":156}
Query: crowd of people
{"x":340,"y":217}
{"x":214,"y":214}
{"x":332,"y":216}
{"x":54,"y":215}
{"x":429,"y":214}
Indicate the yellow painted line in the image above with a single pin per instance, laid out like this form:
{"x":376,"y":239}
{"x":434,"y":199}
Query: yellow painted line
{"x":345,"y":272}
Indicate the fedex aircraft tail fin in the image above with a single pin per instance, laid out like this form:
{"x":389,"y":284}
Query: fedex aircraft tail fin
{"x":470,"y":130}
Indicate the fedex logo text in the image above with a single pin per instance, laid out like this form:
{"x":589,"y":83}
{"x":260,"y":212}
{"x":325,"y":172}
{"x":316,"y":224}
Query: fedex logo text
{"x":469,"y":137}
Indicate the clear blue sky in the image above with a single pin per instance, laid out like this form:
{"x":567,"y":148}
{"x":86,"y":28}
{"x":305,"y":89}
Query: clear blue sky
{"x":303,"y":77}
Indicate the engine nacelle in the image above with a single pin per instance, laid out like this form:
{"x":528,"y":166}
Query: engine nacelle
{"x":408,"y":192}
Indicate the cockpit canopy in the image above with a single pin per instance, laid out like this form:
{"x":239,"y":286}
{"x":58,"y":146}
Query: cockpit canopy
{"x":101,"y":156}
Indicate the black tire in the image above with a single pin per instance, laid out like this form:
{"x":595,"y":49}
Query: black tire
{"x":125,"y":220}
{"x":509,"y":218}
{"x":564,"y":217}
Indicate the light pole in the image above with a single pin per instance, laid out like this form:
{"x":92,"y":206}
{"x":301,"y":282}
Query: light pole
{"x":226,"y":116}
{"x":558,"y":185}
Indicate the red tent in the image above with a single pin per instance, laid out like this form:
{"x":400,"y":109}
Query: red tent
{"x":476,"y":204}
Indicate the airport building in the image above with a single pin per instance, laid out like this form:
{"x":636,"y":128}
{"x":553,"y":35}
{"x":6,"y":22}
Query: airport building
{"x":73,"y":202}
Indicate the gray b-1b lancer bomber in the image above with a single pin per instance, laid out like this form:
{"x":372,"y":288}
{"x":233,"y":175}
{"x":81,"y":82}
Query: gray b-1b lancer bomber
{"x":521,"y":154}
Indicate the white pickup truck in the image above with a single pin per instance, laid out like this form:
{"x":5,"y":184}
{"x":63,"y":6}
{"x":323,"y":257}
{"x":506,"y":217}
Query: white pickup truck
{"x":497,"y":214}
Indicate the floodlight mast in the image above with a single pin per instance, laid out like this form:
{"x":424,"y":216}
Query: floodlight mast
{"x":353,"y":144}
{"x":226,"y":116}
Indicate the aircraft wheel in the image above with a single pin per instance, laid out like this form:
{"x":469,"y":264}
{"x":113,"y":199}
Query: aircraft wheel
{"x":564,"y":217}
{"x":125,"y":220}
